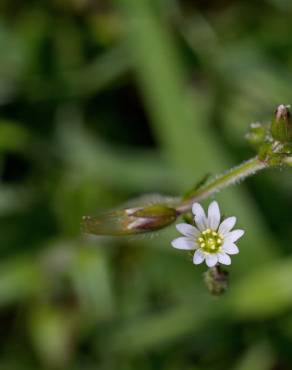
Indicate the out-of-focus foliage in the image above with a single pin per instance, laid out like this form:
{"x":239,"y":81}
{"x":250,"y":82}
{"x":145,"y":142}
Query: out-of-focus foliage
{"x":101,"y":101}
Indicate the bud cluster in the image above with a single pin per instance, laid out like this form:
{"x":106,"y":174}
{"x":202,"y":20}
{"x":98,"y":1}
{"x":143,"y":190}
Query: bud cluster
{"x":216,"y":280}
{"x":273,"y":141}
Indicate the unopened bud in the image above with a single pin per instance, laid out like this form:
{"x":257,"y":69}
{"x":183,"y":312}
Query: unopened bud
{"x":257,"y":134}
{"x":281,"y":125}
{"x":130,"y":221}
{"x":216,"y":280}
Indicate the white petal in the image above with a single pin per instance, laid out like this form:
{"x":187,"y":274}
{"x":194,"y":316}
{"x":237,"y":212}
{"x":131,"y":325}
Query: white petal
{"x":230,"y":248}
{"x":211,"y":260}
{"x":213,"y":215}
{"x":224,"y":258}
{"x":199,"y":257}
{"x":227,"y":225}
{"x":233,"y":235}
{"x":188,"y":230}
{"x":184,"y":243}
{"x":200,"y":217}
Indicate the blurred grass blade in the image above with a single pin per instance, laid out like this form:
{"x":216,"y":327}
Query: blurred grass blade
{"x":19,"y":280}
{"x":259,"y":356}
{"x":265,"y":292}
{"x":100,"y":74}
{"x":52,"y":334}
{"x":91,"y":281}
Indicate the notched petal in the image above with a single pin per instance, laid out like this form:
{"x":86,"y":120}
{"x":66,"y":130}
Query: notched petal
{"x":214,"y":215}
{"x":198,"y":257}
{"x":227,"y":225}
{"x":230,"y":248}
{"x":224,"y":259}
{"x":183,"y":243}
{"x":234,"y":235}
{"x":187,"y":229}
{"x":200,"y":217}
{"x":211,"y":260}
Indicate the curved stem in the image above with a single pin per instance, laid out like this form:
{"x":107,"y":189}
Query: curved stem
{"x":231,"y":177}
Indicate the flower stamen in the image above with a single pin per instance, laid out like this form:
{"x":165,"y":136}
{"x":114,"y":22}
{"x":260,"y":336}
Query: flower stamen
{"x":210,"y":241}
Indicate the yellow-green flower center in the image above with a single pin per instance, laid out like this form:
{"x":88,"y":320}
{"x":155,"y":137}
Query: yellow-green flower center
{"x":210,"y":241}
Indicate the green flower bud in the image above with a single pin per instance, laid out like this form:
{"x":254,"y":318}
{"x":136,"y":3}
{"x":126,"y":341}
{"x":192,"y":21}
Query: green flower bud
{"x":281,"y":125}
{"x":216,"y":280}
{"x":257,"y":134}
{"x":130,"y":221}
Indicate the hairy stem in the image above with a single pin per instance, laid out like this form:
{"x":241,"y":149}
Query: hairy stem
{"x":231,"y":177}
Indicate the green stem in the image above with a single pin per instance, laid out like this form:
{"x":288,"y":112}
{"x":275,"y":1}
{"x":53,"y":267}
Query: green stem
{"x":231,"y":177}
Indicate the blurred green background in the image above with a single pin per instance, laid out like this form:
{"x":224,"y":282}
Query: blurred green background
{"x":100,"y":102}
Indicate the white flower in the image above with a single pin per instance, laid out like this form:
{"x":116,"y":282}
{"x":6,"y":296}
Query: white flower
{"x":212,"y":241}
